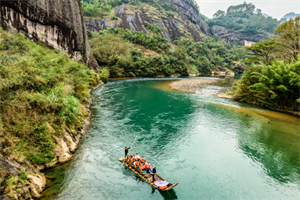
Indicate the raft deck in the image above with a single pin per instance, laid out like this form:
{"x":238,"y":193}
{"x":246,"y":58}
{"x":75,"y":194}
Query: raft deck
{"x":149,"y":177}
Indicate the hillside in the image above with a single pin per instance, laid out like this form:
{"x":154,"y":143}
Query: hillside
{"x":176,"y":18}
{"x":165,"y":37}
{"x":243,"y":23}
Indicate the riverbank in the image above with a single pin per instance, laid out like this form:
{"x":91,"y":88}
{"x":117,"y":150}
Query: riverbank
{"x":44,"y":113}
{"x":200,"y":85}
{"x":205,"y":85}
{"x":192,"y":85}
{"x":18,"y":168}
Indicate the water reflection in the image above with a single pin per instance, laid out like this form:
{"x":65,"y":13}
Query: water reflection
{"x":171,"y":194}
{"x":276,"y":149}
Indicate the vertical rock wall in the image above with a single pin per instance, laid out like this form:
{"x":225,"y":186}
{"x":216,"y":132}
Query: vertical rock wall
{"x":57,"y":23}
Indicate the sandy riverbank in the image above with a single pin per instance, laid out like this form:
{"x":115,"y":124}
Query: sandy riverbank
{"x":192,"y":85}
{"x":216,"y":87}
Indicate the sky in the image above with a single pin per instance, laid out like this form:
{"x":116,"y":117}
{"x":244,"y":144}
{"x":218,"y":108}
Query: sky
{"x":274,"y":8}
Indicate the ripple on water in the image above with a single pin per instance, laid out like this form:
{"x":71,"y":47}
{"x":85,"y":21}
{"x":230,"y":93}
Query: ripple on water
{"x":215,"y":148}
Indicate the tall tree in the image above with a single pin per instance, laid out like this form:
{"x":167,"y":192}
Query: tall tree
{"x":262,"y":51}
{"x":289,"y":38}
{"x":108,"y":49}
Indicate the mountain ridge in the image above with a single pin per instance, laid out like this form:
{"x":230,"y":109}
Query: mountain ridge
{"x":290,"y":15}
{"x":186,"y":21}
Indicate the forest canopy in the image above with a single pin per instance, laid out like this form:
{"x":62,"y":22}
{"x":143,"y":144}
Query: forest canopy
{"x":183,"y":57}
{"x":244,"y":18}
{"x":102,"y":8}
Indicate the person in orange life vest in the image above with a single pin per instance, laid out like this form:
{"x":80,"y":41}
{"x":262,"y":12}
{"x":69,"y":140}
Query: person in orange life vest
{"x":136,"y":163}
{"x":131,"y":159}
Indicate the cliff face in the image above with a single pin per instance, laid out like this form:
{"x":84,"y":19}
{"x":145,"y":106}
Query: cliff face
{"x":186,"y":22}
{"x":241,"y":39}
{"x":59,"y":24}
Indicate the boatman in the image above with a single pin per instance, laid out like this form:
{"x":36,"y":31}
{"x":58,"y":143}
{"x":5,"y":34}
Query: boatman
{"x":126,"y":151}
{"x":153,"y":172}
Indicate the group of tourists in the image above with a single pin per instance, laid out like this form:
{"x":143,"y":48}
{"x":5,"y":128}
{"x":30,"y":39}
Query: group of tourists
{"x":140,"y":163}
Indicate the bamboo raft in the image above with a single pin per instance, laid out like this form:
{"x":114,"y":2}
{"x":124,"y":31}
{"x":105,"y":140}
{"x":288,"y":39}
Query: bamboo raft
{"x":149,"y":177}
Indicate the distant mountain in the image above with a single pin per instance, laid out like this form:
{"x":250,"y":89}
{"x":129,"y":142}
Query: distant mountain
{"x":245,"y":19}
{"x":265,"y":15}
{"x":289,"y":16}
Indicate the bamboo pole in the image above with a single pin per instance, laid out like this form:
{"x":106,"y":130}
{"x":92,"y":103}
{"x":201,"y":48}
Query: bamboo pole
{"x":129,"y":151}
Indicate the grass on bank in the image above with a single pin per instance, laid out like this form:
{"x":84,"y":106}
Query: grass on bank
{"x":42,"y":92}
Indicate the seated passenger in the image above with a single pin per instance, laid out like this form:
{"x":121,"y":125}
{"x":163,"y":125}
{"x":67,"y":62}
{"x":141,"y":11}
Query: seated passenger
{"x":131,"y":159}
{"x":142,"y":166}
{"x":147,"y":166}
{"x":136,"y":164}
{"x":142,"y":159}
{"x":137,"y":156}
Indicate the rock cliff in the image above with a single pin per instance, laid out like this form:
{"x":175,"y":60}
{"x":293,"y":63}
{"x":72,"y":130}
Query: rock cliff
{"x":241,"y":39}
{"x":57,"y":23}
{"x":185,"y":22}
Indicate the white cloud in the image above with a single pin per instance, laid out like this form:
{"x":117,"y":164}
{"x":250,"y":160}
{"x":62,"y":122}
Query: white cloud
{"x":274,"y":8}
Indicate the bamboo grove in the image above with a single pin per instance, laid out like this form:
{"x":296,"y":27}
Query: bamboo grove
{"x":273,"y":79}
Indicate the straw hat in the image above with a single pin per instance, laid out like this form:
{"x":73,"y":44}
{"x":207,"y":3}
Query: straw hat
{"x":153,"y":165}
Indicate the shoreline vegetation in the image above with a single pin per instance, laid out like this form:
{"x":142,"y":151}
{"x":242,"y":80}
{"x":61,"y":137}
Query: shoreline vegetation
{"x":197,"y":85}
{"x":45,"y":98}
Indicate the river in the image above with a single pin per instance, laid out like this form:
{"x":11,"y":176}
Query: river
{"x":215,"y":148}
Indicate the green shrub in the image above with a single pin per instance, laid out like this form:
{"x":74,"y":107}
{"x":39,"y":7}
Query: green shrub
{"x":170,"y":14}
{"x":104,"y":74}
{"x":114,"y":18}
{"x":155,"y":18}
{"x":272,"y":86}
{"x":23,"y":175}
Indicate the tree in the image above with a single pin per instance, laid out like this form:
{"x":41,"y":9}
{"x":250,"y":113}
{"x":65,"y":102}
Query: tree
{"x":273,"y":86}
{"x":258,"y":11}
{"x":289,"y":38}
{"x":250,"y":29}
{"x":262,"y":51}
{"x":108,"y":48}
{"x":219,"y":14}
{"x":250,"y":8}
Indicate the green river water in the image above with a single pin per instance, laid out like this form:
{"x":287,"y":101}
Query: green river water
{"x":215,"y":148}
